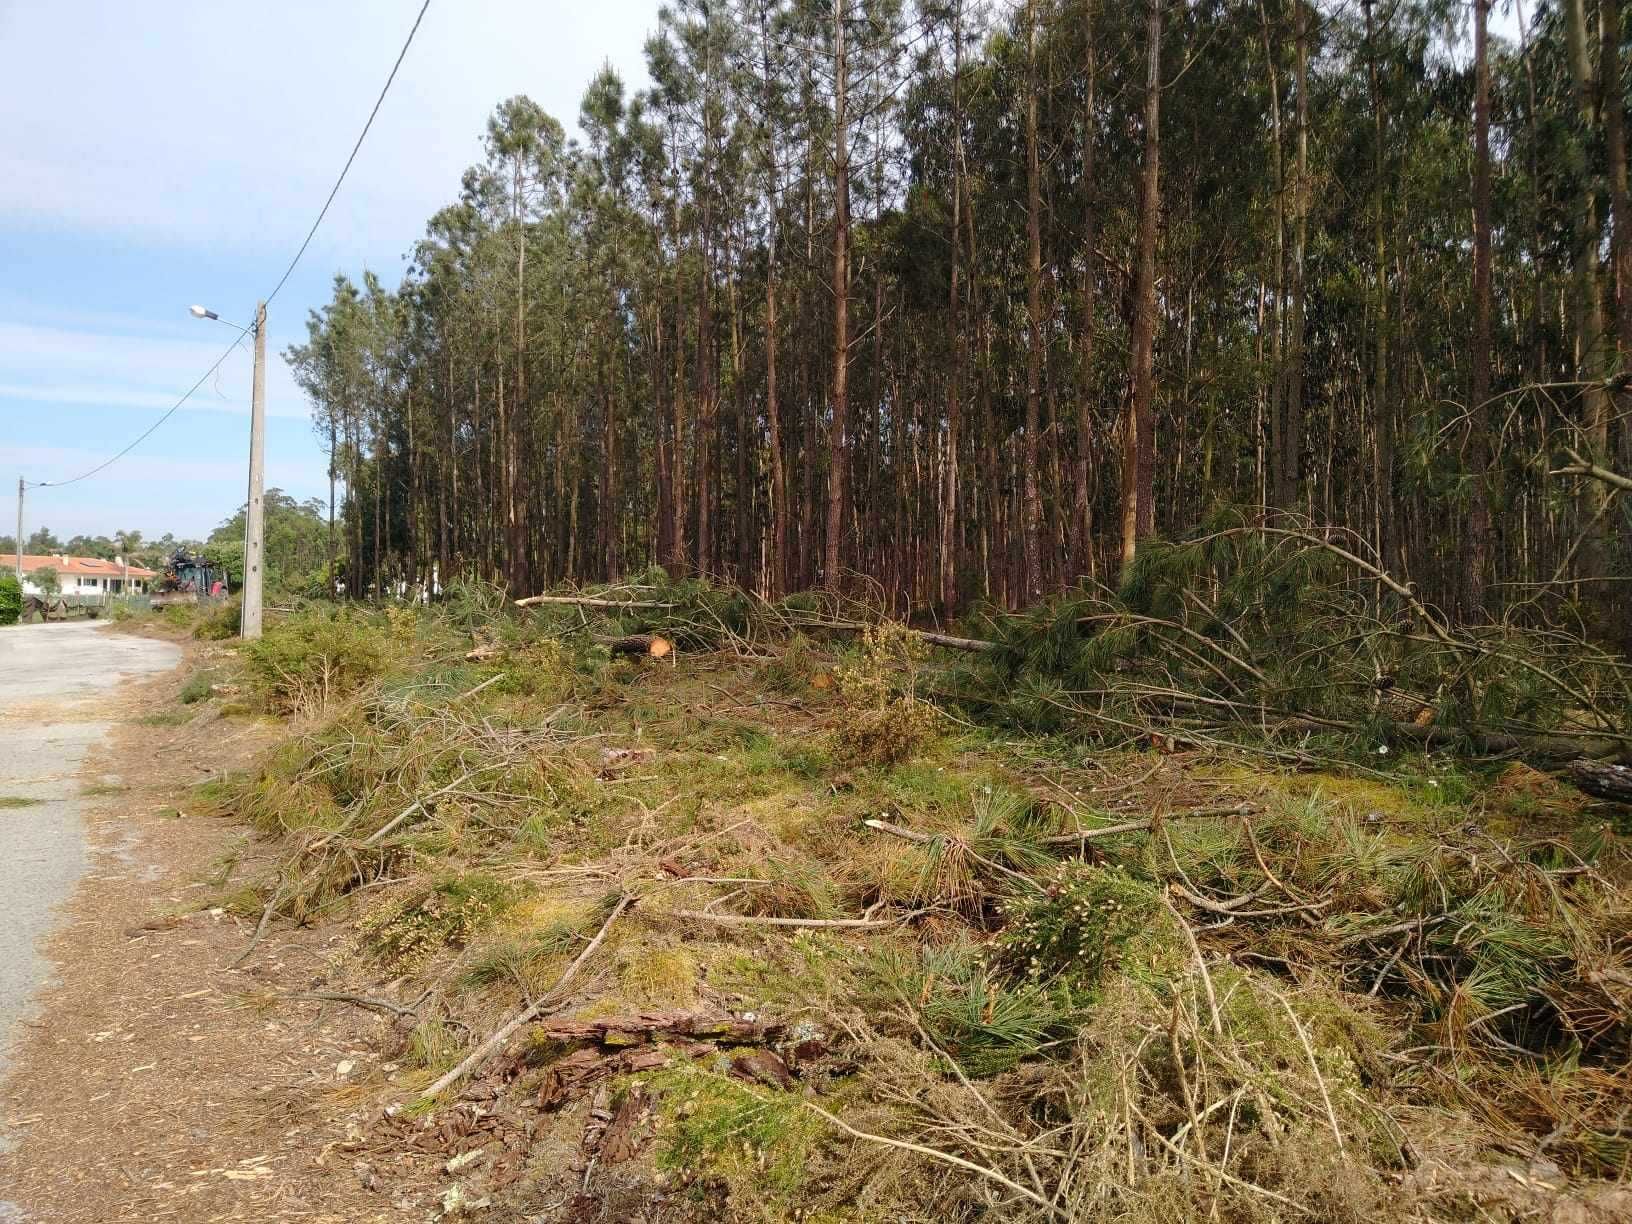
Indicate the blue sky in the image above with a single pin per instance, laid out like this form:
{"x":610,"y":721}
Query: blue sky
{"x":175,"y":151}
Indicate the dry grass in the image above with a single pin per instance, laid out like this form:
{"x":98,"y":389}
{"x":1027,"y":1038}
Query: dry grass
{"x":1275,"y":1015}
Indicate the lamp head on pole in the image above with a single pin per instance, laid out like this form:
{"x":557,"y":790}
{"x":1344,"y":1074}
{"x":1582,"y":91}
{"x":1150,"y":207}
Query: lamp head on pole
{"x":198,"y":312}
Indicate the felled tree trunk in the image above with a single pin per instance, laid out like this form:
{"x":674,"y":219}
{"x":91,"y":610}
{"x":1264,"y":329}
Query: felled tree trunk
{"x":1603,"y":781}
{"x":636,"y":644}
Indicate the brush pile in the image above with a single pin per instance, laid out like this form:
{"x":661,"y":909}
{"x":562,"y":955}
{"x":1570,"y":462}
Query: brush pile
{"x":802,"y":919}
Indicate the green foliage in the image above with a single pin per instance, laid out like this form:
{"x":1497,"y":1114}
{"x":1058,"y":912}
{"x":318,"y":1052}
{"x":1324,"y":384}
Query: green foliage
{"x":304,"y":661}
{"x":46,"y":580}
{"x":11,"y":599}
{"x":197,"y":688}
{"x":296,"y":545}
{"x":1078,"y":925}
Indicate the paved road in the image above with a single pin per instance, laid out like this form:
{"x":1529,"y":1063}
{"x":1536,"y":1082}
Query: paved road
{"x":59,"y":689}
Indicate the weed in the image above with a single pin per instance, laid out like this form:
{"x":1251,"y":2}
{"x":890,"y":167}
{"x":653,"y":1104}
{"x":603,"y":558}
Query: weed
{"x":661,"y":976}
{"x":166,"y":718}
{"x":542,"y":670}
{"x":792,"y":669}
{"x":979,"y":1017}
{"x":196,"y":689}
{"x":220,"y":622}
{"x":433,"y":1045}
{"x":17,"y":801}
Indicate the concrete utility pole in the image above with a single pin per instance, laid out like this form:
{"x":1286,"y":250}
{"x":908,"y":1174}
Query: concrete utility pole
{"x":255,"y":510}
{"x":19,"y":531}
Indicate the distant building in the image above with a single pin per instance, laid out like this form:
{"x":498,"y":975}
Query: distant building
{"x":81,"y":575}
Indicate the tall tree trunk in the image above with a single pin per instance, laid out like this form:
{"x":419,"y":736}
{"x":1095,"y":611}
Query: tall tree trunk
{"x":1589,"y":313}
{"x":780,"y":571}
{"x":677,"y":433}
{"x":1139,"y":463}
{"x":515,"y":538}
{"x":1082,"y":549}
{"x":1611,"y":89}
{"x":949,"y":527}
{"x":1292,"y":432}
{"x":333,"y":457}
{"x":838,"y":445}
{"x":1031,"y":527}
{"x":1479,"y":357}
{"x":1382,"y":406}
{"x":1277,"y":358}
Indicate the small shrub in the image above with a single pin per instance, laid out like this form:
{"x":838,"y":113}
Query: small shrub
{"x":1078,"y":925}
{"x":11,"y":599}
{"x":884,"y":722}
{"x":885,"y":735}
{"x":196,"y":689}
{"x":220,"y":622}
{"x":307,"y":660}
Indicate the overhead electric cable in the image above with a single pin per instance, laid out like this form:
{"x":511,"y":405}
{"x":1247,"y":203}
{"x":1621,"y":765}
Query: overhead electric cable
{"x":168,"y":413}
{"x":282,"y":280}
{"x":361,"y":136}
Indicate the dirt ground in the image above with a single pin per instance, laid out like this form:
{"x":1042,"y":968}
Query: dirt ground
{"x":159,"y":1081}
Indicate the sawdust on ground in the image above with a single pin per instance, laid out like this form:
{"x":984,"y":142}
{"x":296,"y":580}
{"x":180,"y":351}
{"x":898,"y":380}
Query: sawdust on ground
{"x":158,"y":1081}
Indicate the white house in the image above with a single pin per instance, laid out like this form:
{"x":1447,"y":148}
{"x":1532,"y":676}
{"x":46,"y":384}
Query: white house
{"x":81,"y":575}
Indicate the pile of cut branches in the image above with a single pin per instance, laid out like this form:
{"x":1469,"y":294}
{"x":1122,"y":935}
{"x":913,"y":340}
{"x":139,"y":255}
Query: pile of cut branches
{"x":1286,"y":633}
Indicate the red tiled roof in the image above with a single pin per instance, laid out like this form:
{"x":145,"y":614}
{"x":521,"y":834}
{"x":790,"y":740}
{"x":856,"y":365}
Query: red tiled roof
{"x":87,"y":567}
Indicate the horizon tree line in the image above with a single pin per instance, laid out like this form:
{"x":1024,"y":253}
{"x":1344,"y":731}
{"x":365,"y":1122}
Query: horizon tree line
{"x":959,"y":302}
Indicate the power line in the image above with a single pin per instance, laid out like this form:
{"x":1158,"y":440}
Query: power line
{"x":360,"y":138}
{"x":169,"y":412}
{"x":323,"y":212}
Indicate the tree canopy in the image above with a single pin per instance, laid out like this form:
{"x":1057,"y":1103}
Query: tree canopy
{"x":965,"y":303}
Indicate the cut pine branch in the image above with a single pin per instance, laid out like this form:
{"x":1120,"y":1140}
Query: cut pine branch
{"x":591,"y":601}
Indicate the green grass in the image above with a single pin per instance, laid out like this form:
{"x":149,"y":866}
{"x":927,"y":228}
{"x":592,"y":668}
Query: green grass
{"x":166,"y":718}
{"x":17,"y":801}
{"x":99,"y":789}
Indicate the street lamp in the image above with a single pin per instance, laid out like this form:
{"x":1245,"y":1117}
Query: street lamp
{"x":254,"y":508}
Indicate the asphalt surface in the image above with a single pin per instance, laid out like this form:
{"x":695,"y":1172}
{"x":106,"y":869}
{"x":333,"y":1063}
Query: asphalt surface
{"x":59,"y":693}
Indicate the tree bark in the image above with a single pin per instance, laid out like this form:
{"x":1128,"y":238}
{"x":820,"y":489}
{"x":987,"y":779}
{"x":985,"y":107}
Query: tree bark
{"x":1083,"y":528}
{"x":1139,"y":465}
{"x":838,"y":450}
{"x":950,"y":553}
{"x":1031,"y":527}
{"x":1478,"y":555}
{"x":1589,"y":316}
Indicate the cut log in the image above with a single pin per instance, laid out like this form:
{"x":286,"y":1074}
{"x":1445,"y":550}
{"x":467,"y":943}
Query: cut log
{"x":588,"y":601}
{"x":1603,"y":781}
{"x":650,"y":644}
{"x":623,"y":1031}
